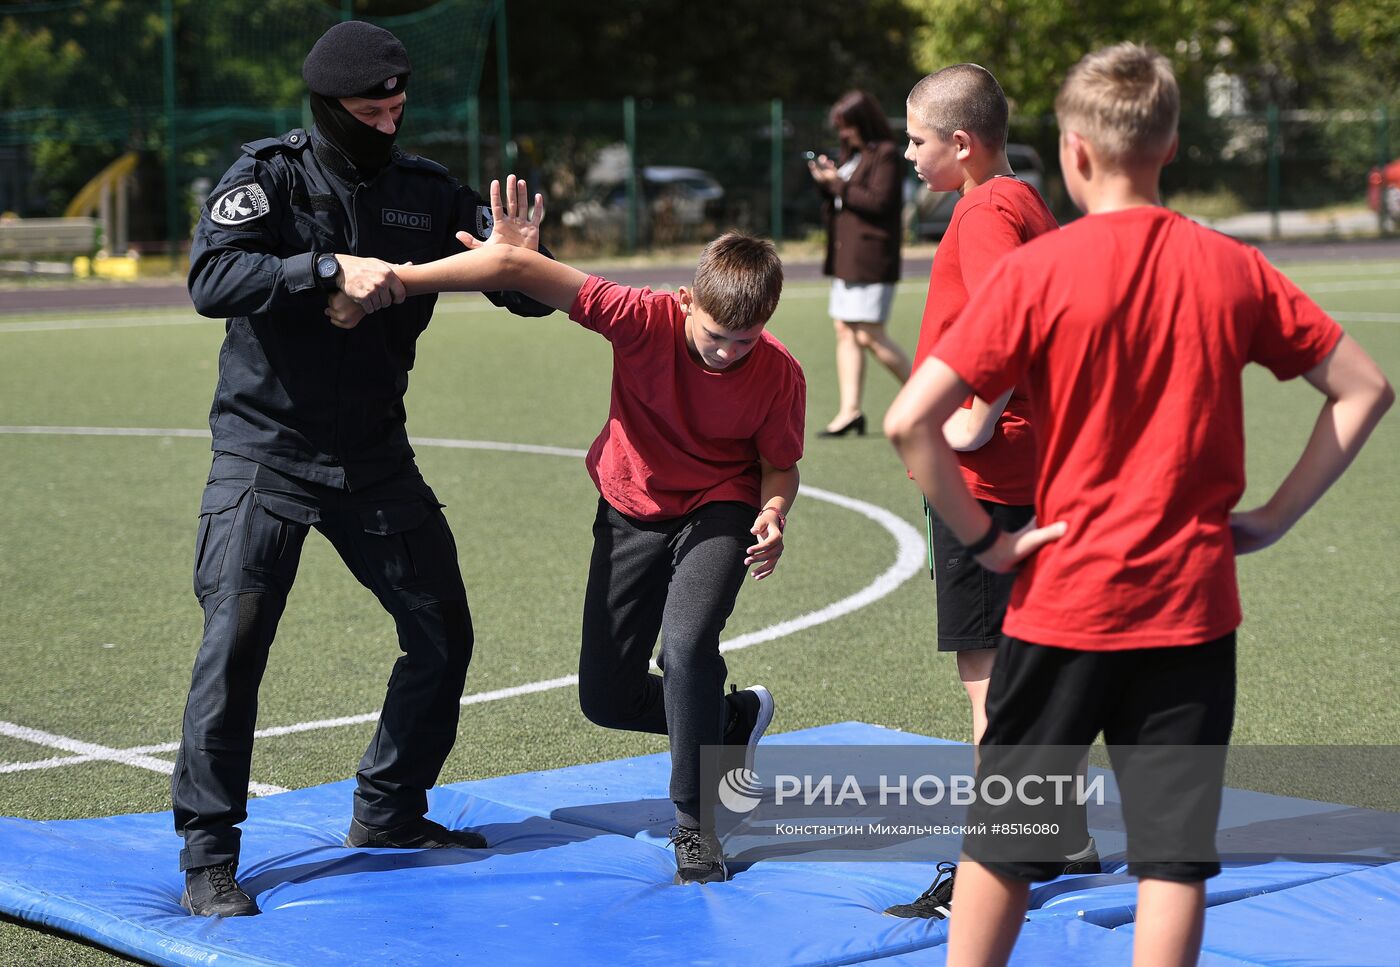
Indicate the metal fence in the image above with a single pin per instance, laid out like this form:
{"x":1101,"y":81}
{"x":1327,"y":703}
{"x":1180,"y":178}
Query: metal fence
{"x":176,"y":82}
{"x":183,"y":83}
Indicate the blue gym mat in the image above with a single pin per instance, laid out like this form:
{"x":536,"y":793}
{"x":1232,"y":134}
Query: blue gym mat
{"x":579,"y":870}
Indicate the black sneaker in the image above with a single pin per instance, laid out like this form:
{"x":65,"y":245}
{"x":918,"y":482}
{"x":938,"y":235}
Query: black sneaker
{"x":752,"y":714}
{"x":698,"y":857}
{"x":935,"y":903}
{"x":1084,"y":862}
{"x":212,"y":891}
{"x":419,"y":834}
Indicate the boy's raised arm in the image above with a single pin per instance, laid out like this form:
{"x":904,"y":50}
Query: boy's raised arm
{"x":1357,"y":396}
{"x":497,"y":267}
{"x":509,"y":259}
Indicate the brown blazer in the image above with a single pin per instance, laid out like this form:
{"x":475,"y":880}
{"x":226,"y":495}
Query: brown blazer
{"x":863,"y":237}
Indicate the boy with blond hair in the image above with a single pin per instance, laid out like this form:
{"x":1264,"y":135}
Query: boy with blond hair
{"x":1126,"y":327}
{"x":957,"y":125}
{"x":696,"y":469}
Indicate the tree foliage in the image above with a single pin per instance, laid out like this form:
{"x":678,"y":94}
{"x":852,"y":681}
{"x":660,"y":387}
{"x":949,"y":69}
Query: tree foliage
{"x":1293,"y":53}
{"x":735,"y":52}
{"x":82,"y":81}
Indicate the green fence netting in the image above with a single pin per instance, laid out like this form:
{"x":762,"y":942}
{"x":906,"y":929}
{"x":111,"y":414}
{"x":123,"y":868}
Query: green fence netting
{"x":187,"y":82}
{"x":184,"y":83}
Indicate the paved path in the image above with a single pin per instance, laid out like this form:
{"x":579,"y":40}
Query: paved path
{"x":68,"y":298}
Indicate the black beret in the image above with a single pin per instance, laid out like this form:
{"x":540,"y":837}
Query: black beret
{"x":356,"y":59}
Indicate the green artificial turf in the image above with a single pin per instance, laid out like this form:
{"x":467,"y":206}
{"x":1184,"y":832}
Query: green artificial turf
{"x":99,"y":627}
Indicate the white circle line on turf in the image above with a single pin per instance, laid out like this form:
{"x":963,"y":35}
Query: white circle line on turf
{"x":909,"y":559}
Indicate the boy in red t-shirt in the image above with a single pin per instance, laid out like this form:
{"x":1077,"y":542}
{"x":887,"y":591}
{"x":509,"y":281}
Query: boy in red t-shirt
{"x":1129,"y":328}
{"x":697,"y":459}
{"x":957,"y":122}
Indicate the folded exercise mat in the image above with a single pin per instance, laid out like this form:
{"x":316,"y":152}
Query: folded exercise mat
{"x":1110,"y":900}
{"x":578,"y":870}
{"x":1351,"y":919}
{"x":1071,"y":943}
{"x":579,"y":867}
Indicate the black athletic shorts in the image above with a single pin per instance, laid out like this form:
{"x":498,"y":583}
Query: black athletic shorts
{"x":971,"y":600}
{"x":1165,"y":715}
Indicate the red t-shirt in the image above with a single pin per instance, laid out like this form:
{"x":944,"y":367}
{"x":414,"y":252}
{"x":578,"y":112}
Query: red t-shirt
{"x":989,"y":221}
{"x":679,"y":435}
{"x":1130,"y":330}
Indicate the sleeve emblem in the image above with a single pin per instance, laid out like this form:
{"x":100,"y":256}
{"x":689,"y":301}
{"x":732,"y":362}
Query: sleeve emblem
{"x":239,"y":205}
{"x":484,"y":222}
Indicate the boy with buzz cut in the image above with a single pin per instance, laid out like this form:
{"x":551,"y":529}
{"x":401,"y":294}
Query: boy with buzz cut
{"x":697,"y":459}
{"x":1130,"y":329}
{"x":957,"y":124}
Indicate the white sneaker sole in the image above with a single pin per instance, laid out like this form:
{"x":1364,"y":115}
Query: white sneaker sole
{"x":761,"y":723}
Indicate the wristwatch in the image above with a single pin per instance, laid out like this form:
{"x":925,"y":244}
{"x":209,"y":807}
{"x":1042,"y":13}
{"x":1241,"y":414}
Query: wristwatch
{"x":327,"y":269}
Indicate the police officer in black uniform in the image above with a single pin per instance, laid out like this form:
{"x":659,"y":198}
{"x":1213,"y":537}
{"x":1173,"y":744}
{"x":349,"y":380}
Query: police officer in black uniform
{"x":308,"y":425}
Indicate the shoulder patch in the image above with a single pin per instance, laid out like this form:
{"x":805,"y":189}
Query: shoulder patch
{"x":240,"y":204}
{"x":294,"y":140}
{"x":419,"y":163}
{"x":484,"y":221}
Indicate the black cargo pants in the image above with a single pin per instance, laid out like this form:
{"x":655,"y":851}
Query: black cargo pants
{"x":394,"y":539}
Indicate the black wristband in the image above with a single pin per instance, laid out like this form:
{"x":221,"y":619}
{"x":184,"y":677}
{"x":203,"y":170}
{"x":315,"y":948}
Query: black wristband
{"x":986,"y":541}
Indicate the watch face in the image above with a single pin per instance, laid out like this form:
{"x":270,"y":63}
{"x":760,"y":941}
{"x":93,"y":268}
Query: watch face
{"x":327,"y":267}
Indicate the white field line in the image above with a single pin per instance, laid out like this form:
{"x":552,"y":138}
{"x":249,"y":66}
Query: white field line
{"x":1328,"y":270}
{"x":801,"y":290}
{"x":165,"y":316}
{"x":363,"y":719}
{"x":908,"y":562}
{"x":102,"y":431}
{"x":107,"y":322}
{"x":90,"y":752}
{"x":814,"y":290}
{"x":821,"y":290}
{"x":797,"y":290}
{"x":1354,"y":285}
{"x":137,"y":321}
{"x":1365,"y":316}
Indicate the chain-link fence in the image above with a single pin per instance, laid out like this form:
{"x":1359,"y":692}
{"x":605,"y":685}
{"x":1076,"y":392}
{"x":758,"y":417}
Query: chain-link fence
{"x":183,"y":84}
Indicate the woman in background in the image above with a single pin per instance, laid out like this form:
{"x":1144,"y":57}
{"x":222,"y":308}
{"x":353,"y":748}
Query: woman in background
{"x":864,"y":199}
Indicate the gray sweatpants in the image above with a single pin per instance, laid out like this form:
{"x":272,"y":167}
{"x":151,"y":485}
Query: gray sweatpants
{"x":679,"y":576}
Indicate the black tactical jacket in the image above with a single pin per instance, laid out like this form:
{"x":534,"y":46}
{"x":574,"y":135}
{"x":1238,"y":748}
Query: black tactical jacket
{"x":296,"y":393}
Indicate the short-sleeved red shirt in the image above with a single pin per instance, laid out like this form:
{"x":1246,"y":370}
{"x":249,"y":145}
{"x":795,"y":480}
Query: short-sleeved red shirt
{"x":679,"y":435}
{"x":989,"y":221}
{"x":1130,"y":329}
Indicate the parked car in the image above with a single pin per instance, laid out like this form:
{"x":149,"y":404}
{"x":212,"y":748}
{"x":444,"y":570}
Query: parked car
{"x":1383,"y":191}
{"x":674,"y":203}
{"x":933,"y":210}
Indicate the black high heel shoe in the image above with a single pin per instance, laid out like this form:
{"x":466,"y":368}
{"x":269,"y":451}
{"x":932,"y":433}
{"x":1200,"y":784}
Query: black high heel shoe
{"x":856,"y":425}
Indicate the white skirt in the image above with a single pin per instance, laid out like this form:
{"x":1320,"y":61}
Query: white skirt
{"x":860,"y":301}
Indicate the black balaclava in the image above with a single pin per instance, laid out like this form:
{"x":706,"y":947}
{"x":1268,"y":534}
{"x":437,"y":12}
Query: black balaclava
{"x":363,"y":145}
{"x":355,"y":59}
